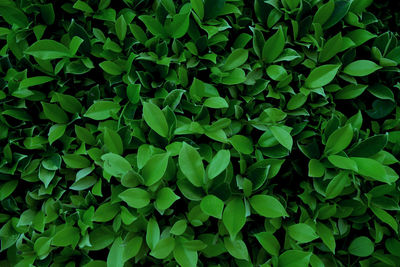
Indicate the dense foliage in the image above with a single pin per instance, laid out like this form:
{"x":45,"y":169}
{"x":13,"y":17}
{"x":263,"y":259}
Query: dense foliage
{"x":199,"y":133}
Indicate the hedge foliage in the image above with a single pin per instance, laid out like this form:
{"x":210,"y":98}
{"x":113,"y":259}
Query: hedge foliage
{"x":199,"y":133}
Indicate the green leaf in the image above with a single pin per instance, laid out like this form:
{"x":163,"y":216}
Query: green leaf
{"x":155,"y":168}
{"x":134,"y":246}
{"x":153,"y":25}
{"x":361,"y":68}
{"x":315,"y":168}
{"x":185,"y":257}
{"x":155,"y":118}
{"x":237,"y":248}
{"x":331,"y":48}
{"x":112,"y":67}
{"x":283,"y":137}
{"x":135,"y":197}
{"x":42,"y":247}
{"x":33,"y":81}
{"x":351,"y":91}
{"x":115,"y":164}
{"x":84,"y":135}
{"x":69,"y":103}
{"x":76,"y":161}
{"x":361,"y":246}
{"x":198,"y":7}
{"x":324,"y":12}
{"x":371,"y":168}
{"x":386,"y":218}
{"x":369,"y":146}
{"x":120,"y":28}
{"x":212,"y":205}
{"x":219,"y":163}
{"x":113,"y":141}
{"x":294,"y":258}
{"x":165,"y":198}
{"x":234,"y":216}
{"x":236,"y":76}
{"x":152,"y":233}
{"x":339,"y":12}
{"x":326,"y":235}
{"x":360,"y":36}
{"x":321,"y":76}
{"x":102,"y":110}
{"x":115,"y":255}
{"x":242,"y":144}
{"x":48,"y":49}
{"x":236,"y":59}
{"x":216,"y":102}
{"x":13,"y":16}
{"x":301,"y":232}
{"x":336,"y":185}
{"x":7,"y":188}
{"x":163,"y":248}
{"x":339,"y":140}
{"x":268,"y":206}
{"x":274,"y":46}
{"x":343,"y":162}
{"x":269,"y":242}
{"x":179,"y":227}
{"x":54,"y":113}
{"x":56,"y":132}
{"x":191,"y":164}
{"x":212,"y":8}
{"x":106,"y":212}
{"x":179,"y":25}
{"x":66,"y":235}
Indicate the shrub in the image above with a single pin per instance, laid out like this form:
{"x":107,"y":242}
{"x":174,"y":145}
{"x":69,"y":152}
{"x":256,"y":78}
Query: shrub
{"x":199,"y":133}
